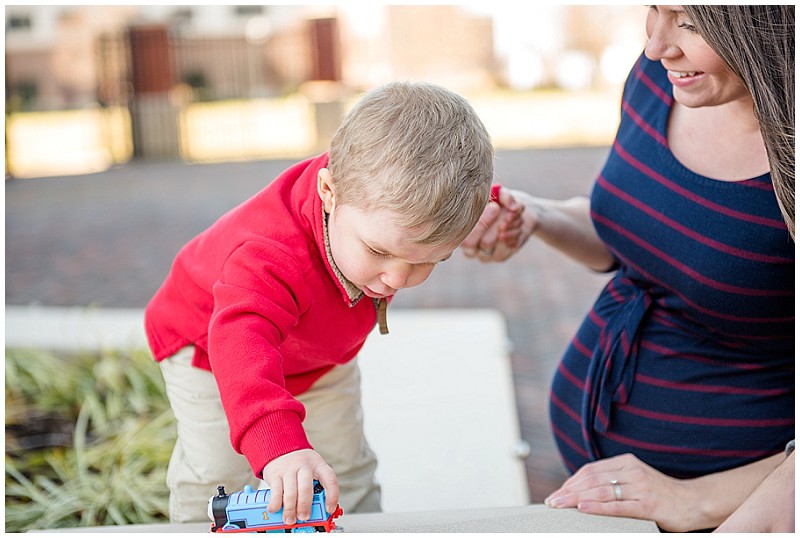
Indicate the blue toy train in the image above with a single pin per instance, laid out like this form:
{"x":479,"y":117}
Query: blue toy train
{"x":246,"y":511}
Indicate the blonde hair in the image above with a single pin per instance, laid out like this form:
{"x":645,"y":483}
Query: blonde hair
{"x":420,"y":151}
{"x":757,"y":43}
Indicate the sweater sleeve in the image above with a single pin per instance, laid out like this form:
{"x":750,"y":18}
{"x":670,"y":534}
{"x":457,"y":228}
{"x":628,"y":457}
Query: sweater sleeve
{"x":257,"y":300}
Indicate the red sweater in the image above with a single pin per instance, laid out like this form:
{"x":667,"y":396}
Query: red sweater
{"x":258,"y":298}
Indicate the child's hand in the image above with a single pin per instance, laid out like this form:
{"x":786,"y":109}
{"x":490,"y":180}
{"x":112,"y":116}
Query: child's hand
{"x":501,"y":230}
{"x":291,"y":479}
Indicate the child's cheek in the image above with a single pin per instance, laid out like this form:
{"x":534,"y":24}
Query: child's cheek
{"x":356,"y":267}
{"x":420,"y":275}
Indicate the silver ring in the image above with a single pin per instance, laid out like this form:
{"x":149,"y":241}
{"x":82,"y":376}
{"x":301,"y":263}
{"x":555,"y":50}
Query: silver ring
{"x":486,"y":251}
{"x":617,"y":489}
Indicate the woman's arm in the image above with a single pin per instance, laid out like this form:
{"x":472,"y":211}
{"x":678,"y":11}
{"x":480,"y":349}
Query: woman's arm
{"x":771,"y":506}
{"x":566,"y":225}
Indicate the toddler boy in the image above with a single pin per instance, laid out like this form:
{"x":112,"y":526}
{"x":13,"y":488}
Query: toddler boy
{"x":258,"y":324}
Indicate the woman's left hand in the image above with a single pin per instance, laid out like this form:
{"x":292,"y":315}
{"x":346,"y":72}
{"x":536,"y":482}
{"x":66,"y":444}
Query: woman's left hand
{"x":624,"y":486}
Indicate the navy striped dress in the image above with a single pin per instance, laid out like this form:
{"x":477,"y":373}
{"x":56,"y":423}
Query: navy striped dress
{"x":687,"y":357}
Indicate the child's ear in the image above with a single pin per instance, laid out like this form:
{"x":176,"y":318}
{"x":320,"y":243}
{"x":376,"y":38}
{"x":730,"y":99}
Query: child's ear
{"x":325,"y":189}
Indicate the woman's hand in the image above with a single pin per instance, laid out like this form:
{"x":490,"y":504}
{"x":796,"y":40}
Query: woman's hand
{"x":641,"y":492}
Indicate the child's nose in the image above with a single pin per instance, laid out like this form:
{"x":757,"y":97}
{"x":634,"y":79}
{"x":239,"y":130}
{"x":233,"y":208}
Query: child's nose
{"x":397,"y":277}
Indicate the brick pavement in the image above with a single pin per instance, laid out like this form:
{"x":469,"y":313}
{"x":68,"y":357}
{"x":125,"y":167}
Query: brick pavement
{"x":108,"y":239}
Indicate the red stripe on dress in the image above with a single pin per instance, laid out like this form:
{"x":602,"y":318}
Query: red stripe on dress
{"x":568,"y":441}
{"x":650,"y":346}
{"x":614,"y":293}
{"x":597,"y":319}
{"x":729,"y":336}
{"x":582,"y":349}
{"x":565,"y":408}
{"x":728,"y":288}
{"x":563,"y":436}
{"x":709,"y":312}
{"x":569,"y":376}
{"x":655,"y":88}
{"x":705,"y":240}
{"x":755,"y":184}
{"x":711,"y":453}
{"x":712,"y":389}
{"x":646,"y":127}
{"x":638,"y":165}
{"x":705,"y":421}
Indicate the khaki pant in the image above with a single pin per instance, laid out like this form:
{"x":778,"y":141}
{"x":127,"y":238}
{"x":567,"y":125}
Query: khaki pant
{"x":204,"y":459}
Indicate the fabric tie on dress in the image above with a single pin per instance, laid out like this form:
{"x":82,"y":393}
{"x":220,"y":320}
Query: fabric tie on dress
{"x":612,"y":368}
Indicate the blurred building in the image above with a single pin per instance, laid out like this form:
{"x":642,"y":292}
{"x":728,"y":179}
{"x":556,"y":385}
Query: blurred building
{"x":62,"y":56}
{"x":233,"y":82}
{"x":70,"y":56}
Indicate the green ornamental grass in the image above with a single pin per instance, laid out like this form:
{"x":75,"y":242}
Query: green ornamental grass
{"x":88,"y":439}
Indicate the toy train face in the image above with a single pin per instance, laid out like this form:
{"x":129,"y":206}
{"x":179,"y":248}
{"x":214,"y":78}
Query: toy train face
{"x":246,"y":511}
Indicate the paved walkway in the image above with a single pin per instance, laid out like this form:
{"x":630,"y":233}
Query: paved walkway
{"x":108,"y":239}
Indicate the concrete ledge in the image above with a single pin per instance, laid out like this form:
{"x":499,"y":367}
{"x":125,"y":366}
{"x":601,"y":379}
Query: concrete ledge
{"x":74,"y":329}
{"x":524,"y":519}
